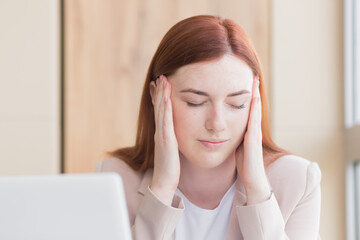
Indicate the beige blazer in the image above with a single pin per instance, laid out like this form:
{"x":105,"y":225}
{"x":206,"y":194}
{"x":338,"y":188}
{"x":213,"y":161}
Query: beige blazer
{"x":292,"y":212}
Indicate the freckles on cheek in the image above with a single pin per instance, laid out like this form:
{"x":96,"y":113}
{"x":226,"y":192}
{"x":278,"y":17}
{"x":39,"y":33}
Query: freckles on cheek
{"x":245,"y":115}
{"x":180,"y":113}
{"x":239,"y":125}
{"x":183,"y":117}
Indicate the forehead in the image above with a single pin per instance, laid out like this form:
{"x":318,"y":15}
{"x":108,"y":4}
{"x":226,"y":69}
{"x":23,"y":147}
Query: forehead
{"x":228,"y":73}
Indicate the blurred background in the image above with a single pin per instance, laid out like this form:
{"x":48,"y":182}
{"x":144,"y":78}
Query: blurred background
{"x":72,"y":71}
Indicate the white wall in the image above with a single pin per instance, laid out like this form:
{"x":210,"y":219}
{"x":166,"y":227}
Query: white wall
{"x":29,"y":87}
{"x":307,"y":95}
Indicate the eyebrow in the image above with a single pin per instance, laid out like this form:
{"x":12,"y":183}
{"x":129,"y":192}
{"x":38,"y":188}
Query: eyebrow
{"x":198,"y":92}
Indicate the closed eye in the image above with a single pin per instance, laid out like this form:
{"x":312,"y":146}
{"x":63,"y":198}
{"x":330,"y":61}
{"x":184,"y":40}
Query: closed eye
{"x":239,"y":107}
{"x":200,"y":104}
{"x":194,"y":104}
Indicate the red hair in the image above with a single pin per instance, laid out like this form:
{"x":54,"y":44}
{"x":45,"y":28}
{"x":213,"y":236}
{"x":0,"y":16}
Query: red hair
{"x":195,"y":39}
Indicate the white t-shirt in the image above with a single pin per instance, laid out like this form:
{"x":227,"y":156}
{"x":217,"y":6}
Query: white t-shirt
{"x":200,"y":224}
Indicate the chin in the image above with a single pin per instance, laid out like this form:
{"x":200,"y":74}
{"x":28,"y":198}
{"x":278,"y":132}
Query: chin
{"x":206,"y":161}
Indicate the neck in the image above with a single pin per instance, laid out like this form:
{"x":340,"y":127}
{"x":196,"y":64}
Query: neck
{"x":205,"y":187}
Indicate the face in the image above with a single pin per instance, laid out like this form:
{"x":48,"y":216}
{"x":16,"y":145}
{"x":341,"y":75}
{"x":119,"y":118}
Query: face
{"x":210,"y":102}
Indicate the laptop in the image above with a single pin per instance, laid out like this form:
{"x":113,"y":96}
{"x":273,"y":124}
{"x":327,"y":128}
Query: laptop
{"x":63,"y":207}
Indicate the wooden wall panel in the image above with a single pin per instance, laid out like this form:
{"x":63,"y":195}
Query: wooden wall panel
{"x":108,"y":47}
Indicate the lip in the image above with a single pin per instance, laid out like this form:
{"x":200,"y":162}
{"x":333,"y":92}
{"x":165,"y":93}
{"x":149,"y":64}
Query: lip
{"x":213,"y":144}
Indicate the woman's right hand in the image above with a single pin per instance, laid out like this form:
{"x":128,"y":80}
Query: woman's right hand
{"x":166,"y":156}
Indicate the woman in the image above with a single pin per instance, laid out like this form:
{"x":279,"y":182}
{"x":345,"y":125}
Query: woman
{"x":204,"y":165}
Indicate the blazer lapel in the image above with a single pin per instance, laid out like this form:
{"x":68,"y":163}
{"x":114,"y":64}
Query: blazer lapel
{"x":234,"y":232}
{"x":146,"y":181}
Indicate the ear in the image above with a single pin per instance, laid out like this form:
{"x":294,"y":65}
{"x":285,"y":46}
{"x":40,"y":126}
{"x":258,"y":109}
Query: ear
{"x":152,"y":88}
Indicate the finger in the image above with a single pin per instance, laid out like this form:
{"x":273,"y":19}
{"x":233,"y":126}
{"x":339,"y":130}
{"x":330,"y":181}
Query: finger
{"x":162,"y":85}
{"x":158,"y":96}
{"x":168,"y":124}
{"x":252,"y":104}
{"x":157,"y":91}
{"x":254,"y":124}
{"x":152,"y":87}
{"x":240,"y":157}
{"x":154,"y":95}
{"x":257,"y":92}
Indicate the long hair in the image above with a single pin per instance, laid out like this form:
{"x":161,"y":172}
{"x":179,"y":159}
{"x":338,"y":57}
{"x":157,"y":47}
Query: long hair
{"x":195,"y":39}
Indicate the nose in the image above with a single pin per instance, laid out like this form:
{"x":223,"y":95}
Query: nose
{"x":215,"y":121}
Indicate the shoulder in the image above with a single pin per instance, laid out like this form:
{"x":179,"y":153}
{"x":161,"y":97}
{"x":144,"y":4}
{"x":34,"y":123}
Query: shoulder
{"x":293,"y":177}
{"x":132,"y":182}
{"x":119,"y":166}
{"x":294,"y":167}
{"x":132,"y":179}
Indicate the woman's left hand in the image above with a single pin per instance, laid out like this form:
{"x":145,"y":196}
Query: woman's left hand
{"x":249,"y":155}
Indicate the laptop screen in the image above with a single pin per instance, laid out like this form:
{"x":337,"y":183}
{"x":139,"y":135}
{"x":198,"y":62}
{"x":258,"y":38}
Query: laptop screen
{"x":68,"y":206}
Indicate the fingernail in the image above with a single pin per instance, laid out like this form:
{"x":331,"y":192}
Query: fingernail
{"x":164,"y":83}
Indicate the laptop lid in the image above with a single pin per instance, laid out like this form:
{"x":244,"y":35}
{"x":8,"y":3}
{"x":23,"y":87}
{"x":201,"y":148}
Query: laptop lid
{"x":63,"y":207}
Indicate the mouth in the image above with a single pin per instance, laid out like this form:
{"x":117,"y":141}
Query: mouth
{"x":213,"y":144}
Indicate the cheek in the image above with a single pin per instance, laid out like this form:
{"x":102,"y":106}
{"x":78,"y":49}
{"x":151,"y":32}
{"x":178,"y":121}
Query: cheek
{"x":185,"y":120}
{"x":238,"y":124}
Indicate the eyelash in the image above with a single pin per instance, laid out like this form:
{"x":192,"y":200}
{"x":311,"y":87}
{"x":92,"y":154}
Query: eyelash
{"x":198,"y":105}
